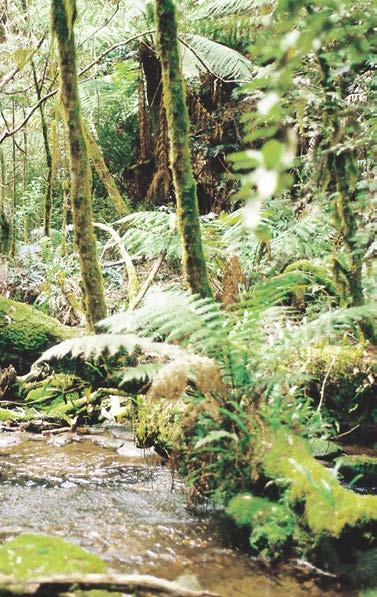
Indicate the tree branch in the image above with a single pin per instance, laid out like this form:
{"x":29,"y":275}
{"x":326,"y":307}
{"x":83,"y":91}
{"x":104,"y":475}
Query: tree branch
{"x":9,"y":133}
{"x":17,"y":69}
{"x":114,"y":582}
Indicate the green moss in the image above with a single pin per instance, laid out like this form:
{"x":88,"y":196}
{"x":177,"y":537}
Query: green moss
{"x":29,"y":556}
{"x":25,"y":333}
{"x":350,"y":371}
{"x":329,"y":507}
{"x":59,"y":384}
{"x":12,"y":415}
{"x":324,"y":448}
{"x":272,"y":525}
{"x":159,"y":424}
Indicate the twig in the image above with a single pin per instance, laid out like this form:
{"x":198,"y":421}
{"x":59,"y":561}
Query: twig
{"x":14,"y":72}
{"x":133,"y":283}
{"x":118,"y":582}
{"x":152,"y":274}
{"x":347,"y":432}
{"x":324,"y":383}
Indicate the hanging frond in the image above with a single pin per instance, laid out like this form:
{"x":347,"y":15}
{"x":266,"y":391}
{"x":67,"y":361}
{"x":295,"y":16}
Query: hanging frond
{"x":200,"y":54}
{"x":221,"y":8}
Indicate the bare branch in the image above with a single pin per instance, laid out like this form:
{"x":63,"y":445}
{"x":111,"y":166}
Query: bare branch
{"x":114,"y":582}
{"x":17,"y":69}
{"x":9,"y":133}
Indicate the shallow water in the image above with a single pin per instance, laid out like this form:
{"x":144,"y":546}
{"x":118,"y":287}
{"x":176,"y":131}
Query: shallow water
{"x":115,"y":500}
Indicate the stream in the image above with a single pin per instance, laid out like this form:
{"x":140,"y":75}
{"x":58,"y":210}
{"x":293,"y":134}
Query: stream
{"x":120,"y":502}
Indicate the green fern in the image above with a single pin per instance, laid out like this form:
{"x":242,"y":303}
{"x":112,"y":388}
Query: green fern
{"x":221,"y":8}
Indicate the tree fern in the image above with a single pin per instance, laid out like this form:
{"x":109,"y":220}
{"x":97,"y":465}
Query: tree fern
{"x":202,"y":54}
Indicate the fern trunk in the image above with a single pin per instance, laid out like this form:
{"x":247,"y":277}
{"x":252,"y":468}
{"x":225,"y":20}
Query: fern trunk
{"x":63,"y":18}
{"x":174,"y":95}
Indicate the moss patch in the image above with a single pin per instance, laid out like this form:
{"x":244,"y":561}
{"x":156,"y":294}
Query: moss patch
{"x":25,"y":333}
{"x":158,"y":424}
{"x":329,"y":507}
{"x":29,"y":556}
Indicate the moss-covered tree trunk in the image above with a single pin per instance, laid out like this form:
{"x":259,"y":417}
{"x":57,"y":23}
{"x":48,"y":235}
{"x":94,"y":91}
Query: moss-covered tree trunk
{"x":104,"y":173}
{"x":4,"y":220}
{"x":194,"y":265}
{"x":63,"y":15}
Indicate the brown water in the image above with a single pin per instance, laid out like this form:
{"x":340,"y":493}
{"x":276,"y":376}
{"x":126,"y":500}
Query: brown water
{"x":115,"y":500}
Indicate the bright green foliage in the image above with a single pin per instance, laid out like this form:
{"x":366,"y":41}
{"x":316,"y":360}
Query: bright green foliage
{"x":329,"y":507}
{"x":29,"y":556}
{"x":158,"y":424}
{"x":272,"y":524}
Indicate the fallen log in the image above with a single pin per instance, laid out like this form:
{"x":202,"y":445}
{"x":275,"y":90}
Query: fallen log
{"x":55,"y":585}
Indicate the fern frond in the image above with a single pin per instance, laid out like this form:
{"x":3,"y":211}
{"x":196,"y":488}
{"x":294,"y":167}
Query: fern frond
{"x":200,"y":52}
{"x":221,"y":8}
{"x":108,"y":345}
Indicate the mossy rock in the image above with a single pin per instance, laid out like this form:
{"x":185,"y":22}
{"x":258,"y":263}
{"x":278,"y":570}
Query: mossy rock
{"x":30,"y":555}
{"x":158,"y":424}
{"x":349,"y":391}
{"x":360,"y":469}
{"x":25,"y":333}
{"x":273,"y":525}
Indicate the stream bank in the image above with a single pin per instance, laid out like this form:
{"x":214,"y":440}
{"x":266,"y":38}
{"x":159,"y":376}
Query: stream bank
{"x":120,"y":503}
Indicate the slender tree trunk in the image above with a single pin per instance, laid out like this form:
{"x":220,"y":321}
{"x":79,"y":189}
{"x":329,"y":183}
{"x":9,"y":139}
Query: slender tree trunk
{"x":63,"y":17}
{"x":12,"y":248}
{"x":25,"y":155}
{"x":47,"y":204}
{"x":104,"y":173}
{"x":64,"y":219}
{"x":4,"y":221}
{"x":194,"y":265}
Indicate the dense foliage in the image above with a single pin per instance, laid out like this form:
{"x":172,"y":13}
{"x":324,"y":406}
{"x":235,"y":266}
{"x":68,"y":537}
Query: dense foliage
{"x":252,"y":372}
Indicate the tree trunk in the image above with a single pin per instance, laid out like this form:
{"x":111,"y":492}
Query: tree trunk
{"x":63,"y":18}
{"x":104,"y":173}
{"x":49,"y":161}
{"x":194,"y":265}
{"x":4,"y":221}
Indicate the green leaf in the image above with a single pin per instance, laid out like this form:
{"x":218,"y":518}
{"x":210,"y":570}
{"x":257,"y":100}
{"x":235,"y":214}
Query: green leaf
{"x":272,"y":152}
{"x":214,"y":436}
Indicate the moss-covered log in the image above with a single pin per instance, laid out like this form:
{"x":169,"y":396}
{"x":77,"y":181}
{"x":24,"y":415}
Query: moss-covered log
{"x":174,"y":96}
{"x":25,"y":333}
{"x":63,"y":15}
{"x":315,"y":514}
